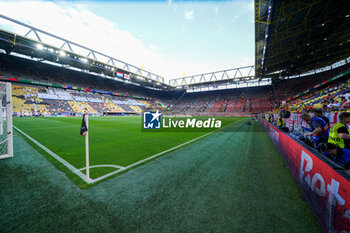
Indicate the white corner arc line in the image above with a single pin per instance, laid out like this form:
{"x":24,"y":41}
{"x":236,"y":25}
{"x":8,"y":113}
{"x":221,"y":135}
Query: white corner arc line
{"x":102,"y":165}
{"x":58,"y":158}
{"x":156,"y":155}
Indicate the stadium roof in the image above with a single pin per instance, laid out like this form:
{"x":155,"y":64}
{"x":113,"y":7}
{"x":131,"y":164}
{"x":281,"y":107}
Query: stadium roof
{"x":235,"y":74}
{"x":56,"y":50}
{"x":219,"y":80}
{"x":296,"y":36}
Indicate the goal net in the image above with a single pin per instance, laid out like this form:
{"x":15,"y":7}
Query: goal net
{"x":6,"y":137}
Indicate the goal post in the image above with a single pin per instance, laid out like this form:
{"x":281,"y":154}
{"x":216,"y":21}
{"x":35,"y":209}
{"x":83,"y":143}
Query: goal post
{"x":6,"y":131}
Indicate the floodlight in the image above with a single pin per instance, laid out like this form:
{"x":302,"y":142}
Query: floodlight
{"x":40,"y":46}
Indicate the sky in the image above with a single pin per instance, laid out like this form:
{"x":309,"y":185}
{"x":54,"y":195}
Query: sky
{"x":169,"y":38}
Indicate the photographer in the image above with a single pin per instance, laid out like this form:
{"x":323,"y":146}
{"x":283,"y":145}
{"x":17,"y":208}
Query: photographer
{"x":319,"y":125}
{"x":338,"y":155}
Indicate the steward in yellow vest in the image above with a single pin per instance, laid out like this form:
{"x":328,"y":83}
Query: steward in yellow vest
{"x":281,"y":122}
{"x":270,"y":118}
{"x":339,"y":134}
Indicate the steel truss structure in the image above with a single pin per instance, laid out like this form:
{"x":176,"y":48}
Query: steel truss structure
{"x":71,"y":54}
{"x":236,"y":74}
{"x":295,"y":37}
{"x":220,"y":80}
{"x":213,"y":86}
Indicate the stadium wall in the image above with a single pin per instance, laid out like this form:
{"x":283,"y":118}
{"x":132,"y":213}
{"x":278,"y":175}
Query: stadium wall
{"x":326,"y":189}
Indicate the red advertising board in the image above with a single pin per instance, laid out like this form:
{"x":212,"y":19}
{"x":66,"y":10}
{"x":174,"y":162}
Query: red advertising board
{"x":326,"y":190}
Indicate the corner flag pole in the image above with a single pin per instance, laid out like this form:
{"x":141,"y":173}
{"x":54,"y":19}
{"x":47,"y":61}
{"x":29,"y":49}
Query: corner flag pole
{"x":87,"y":149}
{"x":84,"y":131}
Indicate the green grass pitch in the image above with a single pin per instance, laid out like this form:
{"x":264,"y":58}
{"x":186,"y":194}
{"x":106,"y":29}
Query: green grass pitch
{"x":115,"y":140}
{"x":233,"y":180}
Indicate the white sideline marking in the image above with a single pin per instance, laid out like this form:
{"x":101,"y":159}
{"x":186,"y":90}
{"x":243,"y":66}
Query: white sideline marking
{"x":64,"y":162}
{"x":102,"y":165}
{"x":156,"y":155}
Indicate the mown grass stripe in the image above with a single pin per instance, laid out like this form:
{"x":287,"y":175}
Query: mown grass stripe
{"x":159,"y":154}
{"x":58,"y":158}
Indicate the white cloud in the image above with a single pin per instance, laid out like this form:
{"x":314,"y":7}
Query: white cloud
{"x":153,"y":47}
{"x":248,"y":8}
{"x":216,"y":10}
{"x":251,"y":6}
{"x":189,"y":15}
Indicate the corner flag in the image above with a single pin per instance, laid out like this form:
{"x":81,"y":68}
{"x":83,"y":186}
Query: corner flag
{"x":84,"y":131}
{"x":84,"y":128}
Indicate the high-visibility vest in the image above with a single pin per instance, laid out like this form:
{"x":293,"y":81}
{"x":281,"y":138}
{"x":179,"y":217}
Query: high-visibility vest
{"x":334,"y":137}
{"x":280,"y":122}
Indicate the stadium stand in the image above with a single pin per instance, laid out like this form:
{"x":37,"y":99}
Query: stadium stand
{"x":40,"y":99}
{"x":286,"y":88}
{"x":15,"y":67}
{"x":299,"y":93}
{"x":330,"y":97}
{"x":36,"y":100}
{"x":230,"y":102}
{"x":29,"y":100}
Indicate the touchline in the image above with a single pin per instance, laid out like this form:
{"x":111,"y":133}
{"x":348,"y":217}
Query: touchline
{"x":191,"y":123}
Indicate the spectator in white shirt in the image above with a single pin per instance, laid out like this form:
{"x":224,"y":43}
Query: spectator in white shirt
{"x":347,"y":95}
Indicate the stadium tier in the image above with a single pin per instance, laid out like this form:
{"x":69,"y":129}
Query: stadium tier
{"x":329,"y":99}
{"x":28,"y":71}
{"x":30,"y":100}
{"x":42,"y":89}
{"x":47,"y":100}
{"x":77,"y":93}
{"x":228,"y":102}
{"x":287,"y":88}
